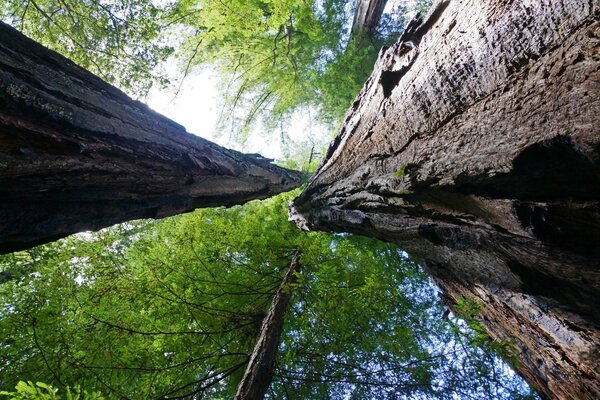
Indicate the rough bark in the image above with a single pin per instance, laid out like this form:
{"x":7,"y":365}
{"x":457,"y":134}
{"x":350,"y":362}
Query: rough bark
{"x":259,"y":372}
{"x":475,"y":145}
{"x":78,"y":154}
{"x":367,"y":15}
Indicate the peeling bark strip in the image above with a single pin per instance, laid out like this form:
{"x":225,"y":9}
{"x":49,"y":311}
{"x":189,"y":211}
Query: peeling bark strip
{"x":77,"y":154}
{"x":475,"y":145}
{"x":259,"y":372}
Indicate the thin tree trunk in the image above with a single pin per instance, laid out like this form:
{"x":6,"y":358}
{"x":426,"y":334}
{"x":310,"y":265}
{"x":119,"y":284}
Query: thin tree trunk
{"x":475,"y":145}
{"x":259,"y":372}
{"x":367,"y":15}
{"x":78,"y":154}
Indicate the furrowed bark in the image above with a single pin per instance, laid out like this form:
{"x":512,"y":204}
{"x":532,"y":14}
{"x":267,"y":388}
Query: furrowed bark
{"x":259,"y":372}
{"x":78,"y":154}
{"x":475,"y":145}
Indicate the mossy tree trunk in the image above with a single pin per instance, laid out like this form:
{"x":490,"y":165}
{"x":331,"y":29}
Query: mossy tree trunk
{"x":78,"y":154}
{"x":475,"y":145}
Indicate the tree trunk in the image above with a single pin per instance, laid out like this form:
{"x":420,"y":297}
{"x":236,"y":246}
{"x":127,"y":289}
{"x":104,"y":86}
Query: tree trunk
{"x":367,"y":15}
{"x":475,"y":145}
{"x":77,"y":154}
{"x":259,"y":372}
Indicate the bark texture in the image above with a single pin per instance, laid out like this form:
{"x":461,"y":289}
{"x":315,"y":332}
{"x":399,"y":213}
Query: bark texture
{"x":475,"y":145}
{"x":78,"y":154}
{"x":259,"y":372}
{"x":367,"y":15}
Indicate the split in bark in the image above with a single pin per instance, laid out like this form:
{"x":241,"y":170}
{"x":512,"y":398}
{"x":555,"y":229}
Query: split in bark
{"x":78,"y":154}
{"x":475,"y":145}
{"x":259,"y":372}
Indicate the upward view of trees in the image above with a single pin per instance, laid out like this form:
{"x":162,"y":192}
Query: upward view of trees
{"x":274,"y":56}
{"x":476,"y":156}
{"x":172,"y":309}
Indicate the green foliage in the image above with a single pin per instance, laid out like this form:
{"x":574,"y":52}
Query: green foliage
{"x":172,"y":308}
{"x":280,"y":55}
{"x":116,"y":40}
{"x":344,"y":75}
{"x":468,"y":308}
{"x":354,"y":325}
{"x":275,"y":56}
{"x":264,"y":48}
{"x":144,"y":310}
{"x":42,"y":391}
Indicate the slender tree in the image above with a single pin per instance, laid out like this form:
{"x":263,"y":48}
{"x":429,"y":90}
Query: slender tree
{"x":474,"y":145}
{"x":367,"y":15}
{"x":259,"y":372}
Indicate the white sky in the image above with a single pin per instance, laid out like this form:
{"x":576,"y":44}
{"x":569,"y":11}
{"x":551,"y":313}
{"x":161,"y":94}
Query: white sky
{"x":197,"y":107}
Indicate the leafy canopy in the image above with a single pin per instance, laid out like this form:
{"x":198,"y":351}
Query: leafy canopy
{"x":42,"y":391}
{"x":116,"y":40}
{"x":275,"y":57}
{"x":280,"y":55}
{"x":173,"y":308}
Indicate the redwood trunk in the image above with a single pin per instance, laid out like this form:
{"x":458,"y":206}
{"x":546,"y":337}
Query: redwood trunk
{"x":367,"y":15}
{"x":259,"y":372}
{"x":77,"y":154}
{"x":475,"y":145}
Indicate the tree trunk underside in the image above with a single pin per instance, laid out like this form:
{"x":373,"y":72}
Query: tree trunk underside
{"x":475,"y":145}
{"x":78,"y":154}
{"x":259,"y":372}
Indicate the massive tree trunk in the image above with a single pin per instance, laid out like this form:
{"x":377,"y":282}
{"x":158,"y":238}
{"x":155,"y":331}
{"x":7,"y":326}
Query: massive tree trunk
{"x":367,"y":15}
{"x":78,"y":154}
{"x":259,"y":372}
{"x":475,"y":145}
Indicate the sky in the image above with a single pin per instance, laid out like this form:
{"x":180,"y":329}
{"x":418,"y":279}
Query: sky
{"x":197,"y":108}
{"x":194,"y":107}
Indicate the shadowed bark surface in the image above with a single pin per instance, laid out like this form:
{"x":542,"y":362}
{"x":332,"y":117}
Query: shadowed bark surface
{"x":78,"y":154}
{"x":475,"y":145}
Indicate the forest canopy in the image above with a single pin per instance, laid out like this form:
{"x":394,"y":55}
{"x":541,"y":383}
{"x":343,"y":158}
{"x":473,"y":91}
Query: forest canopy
{"x":171,"y":309}
{"x":274,"y":56}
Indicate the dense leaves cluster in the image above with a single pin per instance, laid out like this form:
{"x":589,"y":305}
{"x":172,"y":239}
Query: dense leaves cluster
{"x":280,"y":55}
{"x":116,"y":40}
{"x":43,"y":391}
{"x":173,"y":309}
